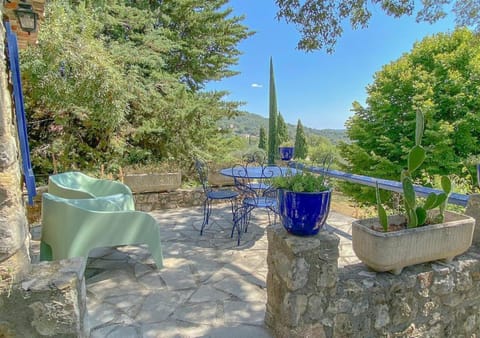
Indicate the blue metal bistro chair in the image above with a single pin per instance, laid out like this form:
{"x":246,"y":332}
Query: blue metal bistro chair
{"x":212,"y":195}
{"x":256,"y":191}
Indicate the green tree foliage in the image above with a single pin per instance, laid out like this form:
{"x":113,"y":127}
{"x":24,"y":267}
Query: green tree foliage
{"x":262,"y":142}
{"x":229,"y":149}
{"x":319,"y":148}
{"x":282,"y":130}
{"x":320,"y":21}
{"x":205,"y":36}
{"x":439,"y":77}
{"x":272,"y":118}
{"x":300,"y":142}
{"x":74,"y":94}
{"x":247,"y":123}
{"x":129,"y":75}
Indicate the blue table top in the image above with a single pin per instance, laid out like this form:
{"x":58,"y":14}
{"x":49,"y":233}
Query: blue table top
{"x":257,"y":172}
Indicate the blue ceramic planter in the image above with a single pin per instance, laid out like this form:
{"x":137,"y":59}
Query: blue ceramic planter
{"x":286,"y":153}
{"x":303,"y":213}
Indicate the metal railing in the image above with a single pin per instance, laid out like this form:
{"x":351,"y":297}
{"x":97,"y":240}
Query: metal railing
{"x":454,"y":198}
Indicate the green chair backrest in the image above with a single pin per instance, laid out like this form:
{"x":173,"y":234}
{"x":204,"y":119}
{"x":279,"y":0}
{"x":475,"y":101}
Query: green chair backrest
{"x":77,"y":185}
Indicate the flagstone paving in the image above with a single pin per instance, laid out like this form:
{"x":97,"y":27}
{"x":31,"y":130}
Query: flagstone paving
{"x":208,"y":287}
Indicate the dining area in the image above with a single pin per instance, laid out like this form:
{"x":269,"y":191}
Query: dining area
{"x":253,"y":189}
{"x":209,"y":285}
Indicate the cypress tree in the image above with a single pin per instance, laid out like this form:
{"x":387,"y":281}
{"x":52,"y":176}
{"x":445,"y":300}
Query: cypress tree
{"x":300,"y":142}
{"x":272,"y":118}
{"x":282,"y":130}
{"x":262,"y":142}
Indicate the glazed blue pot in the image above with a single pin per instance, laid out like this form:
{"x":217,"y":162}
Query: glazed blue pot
{"x":286,"y":153}
{"x":303,"y":213}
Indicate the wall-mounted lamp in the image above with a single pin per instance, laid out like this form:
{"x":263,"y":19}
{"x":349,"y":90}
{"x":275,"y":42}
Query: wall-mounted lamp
{"x":27,"y":18}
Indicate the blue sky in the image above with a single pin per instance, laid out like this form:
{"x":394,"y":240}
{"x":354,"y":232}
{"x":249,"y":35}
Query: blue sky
{"x":316,"y":87}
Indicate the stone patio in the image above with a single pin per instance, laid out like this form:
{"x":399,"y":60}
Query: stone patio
{"x":208,"y":287}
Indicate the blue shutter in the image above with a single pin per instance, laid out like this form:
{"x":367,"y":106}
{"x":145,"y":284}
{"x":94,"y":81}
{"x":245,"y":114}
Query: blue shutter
{"x":20,"y":113}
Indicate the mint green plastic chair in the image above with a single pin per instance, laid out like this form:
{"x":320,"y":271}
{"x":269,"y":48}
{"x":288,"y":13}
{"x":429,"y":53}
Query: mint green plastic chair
{"x":74,"y":184}
{"x":73,"y":227}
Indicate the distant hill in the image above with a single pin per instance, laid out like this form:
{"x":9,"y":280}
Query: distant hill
{"x":249,"y":124}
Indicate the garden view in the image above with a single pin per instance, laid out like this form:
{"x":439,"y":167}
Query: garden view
{"x":114,"y":87}
{"x":120,"y":87}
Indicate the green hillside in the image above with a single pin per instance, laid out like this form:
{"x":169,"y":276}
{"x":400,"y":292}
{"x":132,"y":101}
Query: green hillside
{"x":249,"y":124}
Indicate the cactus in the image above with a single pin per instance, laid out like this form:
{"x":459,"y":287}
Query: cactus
{"x":382,"y":214}
{"x":417,"y":214}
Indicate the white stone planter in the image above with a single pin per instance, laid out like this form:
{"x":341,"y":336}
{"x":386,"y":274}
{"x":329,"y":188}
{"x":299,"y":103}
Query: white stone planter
{"x":392,"y":251}
{"x":153,"y":182}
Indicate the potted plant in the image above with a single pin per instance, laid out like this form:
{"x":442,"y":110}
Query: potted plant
{"x":303,"y":202}
{"x":425,"y":233}
{"x":286,"y":151}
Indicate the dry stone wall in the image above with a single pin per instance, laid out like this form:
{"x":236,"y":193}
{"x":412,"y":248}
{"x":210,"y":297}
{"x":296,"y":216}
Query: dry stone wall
{"x":301,"y":283}
{"x":179,"y":198}
{"x":309,"y":296}
{"x":426,"y":300}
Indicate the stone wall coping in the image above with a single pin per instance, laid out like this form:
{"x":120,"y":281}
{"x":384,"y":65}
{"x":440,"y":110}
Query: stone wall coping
{"x":49,"y":301}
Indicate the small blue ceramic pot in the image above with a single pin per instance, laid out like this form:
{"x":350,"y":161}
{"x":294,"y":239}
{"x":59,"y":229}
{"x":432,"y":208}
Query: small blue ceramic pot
{"x":286,"y":153}
{"x":303,"y":213}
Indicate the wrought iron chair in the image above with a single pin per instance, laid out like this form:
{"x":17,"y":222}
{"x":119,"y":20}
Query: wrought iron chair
{"x":256,"y":192}
{"x":212,"y":195}
{"x":252,"y":160}
{"x":256,"y":158}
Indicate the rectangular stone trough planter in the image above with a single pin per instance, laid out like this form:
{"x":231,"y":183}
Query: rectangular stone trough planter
{"x":156,"y":182}
{"x":392,"y":251}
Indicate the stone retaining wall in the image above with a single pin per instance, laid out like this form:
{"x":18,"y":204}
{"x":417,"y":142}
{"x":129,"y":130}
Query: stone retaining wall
{"x":180,"y":198}
{"x":149,"y":201}
{"x":301,"y":283}
{"x":426,"y":300}
{"x":308,"y":295}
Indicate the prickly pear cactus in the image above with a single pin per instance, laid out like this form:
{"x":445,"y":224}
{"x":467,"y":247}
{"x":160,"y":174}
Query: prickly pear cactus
{"x":417,"y":214}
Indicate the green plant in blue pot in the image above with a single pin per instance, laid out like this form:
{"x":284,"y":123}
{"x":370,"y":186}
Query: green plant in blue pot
{"x":286,"y":151}
{"x":303,"y":202}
